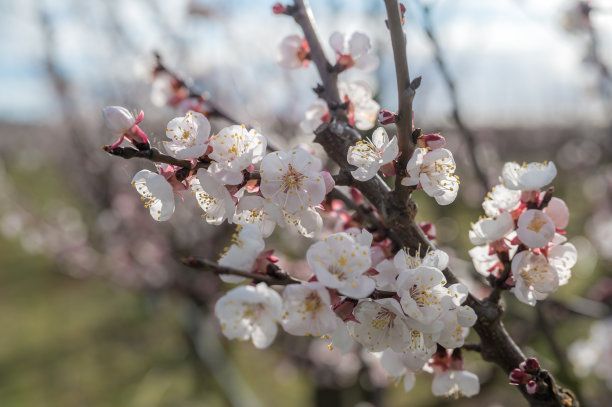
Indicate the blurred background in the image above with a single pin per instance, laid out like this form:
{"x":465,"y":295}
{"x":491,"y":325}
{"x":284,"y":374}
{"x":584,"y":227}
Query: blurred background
{"x":96,"y":310}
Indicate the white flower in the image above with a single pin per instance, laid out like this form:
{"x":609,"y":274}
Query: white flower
{"x":563,"y":257}
{"x":558,"y":211}
{"x":455,"y":383}
{"x":484,"y":261}
{"x":362,"y":111}
{"x":118,"y":119}
{"x":369,"y":156}
{"x":293,"y":52}
{"x":358,"y":46}
{"x":340,"y":262}
{"x":501,"y":199}
{"x":250,"y":312}
{"x":528,"y":177}
{"x":213,"y":197}
{"x":256,"y":210}
{"x":307,"y":222}
{"x":234,"y":150}
{"x":341,"y":338}
{"x":188,"y":135}
{"x":536,"y":276}
{"x":404,"y":364}
{"x":489,"y":230}
{"x":389,"y":270}
{"x":307,"y":310}
{"x":434,"y":172}
{"x":456,"y":322}
{"x":535,"y":228}
{"x":246,"y":245}
{"x":315,"y":115}
{"x":156,"y":192}
{"x":422,"y":293}
{"x":380,"y":325}
{"x":292,"y":180}
{"x":457,"y":319}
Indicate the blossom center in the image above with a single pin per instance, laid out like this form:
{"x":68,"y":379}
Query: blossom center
{"x":292,"y":179}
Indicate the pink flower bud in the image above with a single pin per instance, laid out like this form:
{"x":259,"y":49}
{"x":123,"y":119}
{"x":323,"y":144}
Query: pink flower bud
{"x":279,"y":8}
{"x":118,"y":119}
{"x":356,"y":195}
{"x":530,"y":365}
{"x":386,"y":117}
{"x":403,"y":12}
{"x":431,"y":141}
{"x":329,"y":181}
{"x":517,"y":376}
{"x":531,"y":387}
{"x":429,"y":229}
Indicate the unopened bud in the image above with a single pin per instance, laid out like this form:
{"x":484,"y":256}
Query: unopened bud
{"x":530,"y":365}
{"x":118,"y":119}
{"x":531,"y":387}
{"x":429,"y":229}
{"x":517,"y":376}
{"x":387,"y":117}
{"x":329,"y":181}
{"x":356,"y":195}
{"x":279,"y":8}
{"x":431,"y":141}
{"x":403,"y":12}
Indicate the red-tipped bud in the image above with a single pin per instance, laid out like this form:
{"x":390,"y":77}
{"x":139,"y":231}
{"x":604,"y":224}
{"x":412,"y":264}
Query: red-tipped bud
{"x":429,"y":229}
{"x":329,"y":181}
{"x":530,"y":365}
{"x":387,"y":117}
{"x":279,"y":8}
{"x":403,"y":12}
{"x":356,"y":195}
{"x":431,"y":141}
{"x":517,"y":376}
{"x":531,"y":387}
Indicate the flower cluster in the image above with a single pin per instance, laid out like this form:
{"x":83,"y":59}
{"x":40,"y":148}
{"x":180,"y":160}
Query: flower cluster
{"x":226,"y":185}
{"x":404,"y":327}
{"x":522,"y":238}
{"x":361,"y":108}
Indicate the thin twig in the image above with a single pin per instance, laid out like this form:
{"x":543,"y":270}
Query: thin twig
{"x":207,"y":265}
{"x":405,"y":93}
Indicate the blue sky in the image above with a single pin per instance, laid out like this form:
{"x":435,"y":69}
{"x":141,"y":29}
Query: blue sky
{"x":511,"y":60}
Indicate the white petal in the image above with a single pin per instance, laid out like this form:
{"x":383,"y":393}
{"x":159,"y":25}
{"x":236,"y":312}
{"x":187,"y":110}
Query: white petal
{"x":367,"y":62}
{"x":336,"y":41}
{"x":558,"y":211}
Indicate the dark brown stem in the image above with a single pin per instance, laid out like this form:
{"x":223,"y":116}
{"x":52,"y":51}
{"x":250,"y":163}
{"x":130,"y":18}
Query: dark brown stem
{"x":207,"y":265}
{"x":303,"y":16}
{"x":405,"y":93}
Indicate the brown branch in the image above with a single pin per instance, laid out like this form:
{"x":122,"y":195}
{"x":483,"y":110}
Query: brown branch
{"x":468,"y":135}
{"x":207,"y":265}
{"x":405,"y":93}
{"x":302,"y":14}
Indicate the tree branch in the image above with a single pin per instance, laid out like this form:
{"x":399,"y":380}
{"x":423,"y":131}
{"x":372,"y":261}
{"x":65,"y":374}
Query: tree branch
{"x":280,"y":278}
{"x":405,"y":93}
